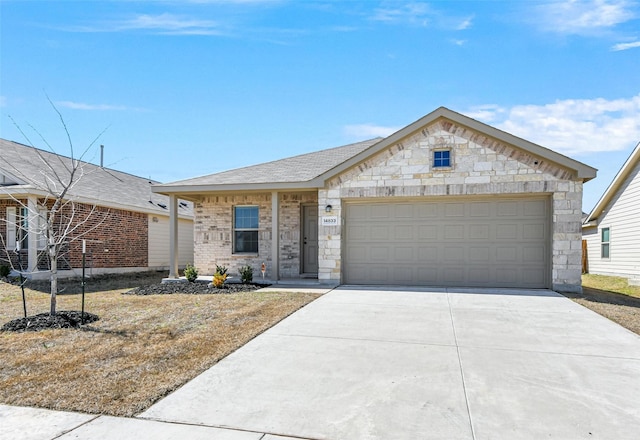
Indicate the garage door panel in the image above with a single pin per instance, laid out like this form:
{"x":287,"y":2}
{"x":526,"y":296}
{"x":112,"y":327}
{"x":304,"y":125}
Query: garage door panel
{"x":533,"y":208}
{"x":479,"y":209}
{"x":427,"y":232}
{"x":380,"y":253}
{"x":427,"y":210}
{"x":404,"y":254}
{"x":479,"y":254}
{"x":507,"y":209}
{"x":506,"y":254}
{"x":507,"y":231}
{"x":428,"y":254}
{"x":403,"y":211}
{"x":427,"y":275}
{"x":451,"y":275}
{"x":480,"y":275}
{"x":454,"y":210}
{"x":454,"y":232}
{"x":403,"y":232}
{"x":380,"y":211}
{"x":479,"y":232}
{"x":533,"y":231}
{"x":498,"y":242}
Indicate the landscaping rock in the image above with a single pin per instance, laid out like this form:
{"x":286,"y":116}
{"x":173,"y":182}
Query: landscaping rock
{"x":191,"y":288}
{"x":43,"y":321}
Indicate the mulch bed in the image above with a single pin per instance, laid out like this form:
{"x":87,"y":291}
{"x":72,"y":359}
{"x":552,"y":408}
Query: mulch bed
{"x":43,"y":321}
{"x":197,"y":288}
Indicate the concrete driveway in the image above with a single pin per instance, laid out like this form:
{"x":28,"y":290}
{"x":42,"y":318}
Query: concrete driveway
{"x":435,"y":364}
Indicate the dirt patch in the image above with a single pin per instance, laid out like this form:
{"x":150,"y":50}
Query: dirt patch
{"x":623,"y":309}
{"x":43,"y":321}
{"x":97,"y":283}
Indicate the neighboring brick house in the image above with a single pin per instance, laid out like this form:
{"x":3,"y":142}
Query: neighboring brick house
{"x":612,"y":228}
{"x":128,"y":229}
{"x":445,"y":201}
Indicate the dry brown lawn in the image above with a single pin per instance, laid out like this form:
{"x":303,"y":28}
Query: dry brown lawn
{"x":141,"y":349}
{"x":611,"y":297}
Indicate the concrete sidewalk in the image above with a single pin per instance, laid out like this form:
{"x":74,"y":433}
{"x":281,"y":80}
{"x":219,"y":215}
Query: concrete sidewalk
{"x":399,"y":364}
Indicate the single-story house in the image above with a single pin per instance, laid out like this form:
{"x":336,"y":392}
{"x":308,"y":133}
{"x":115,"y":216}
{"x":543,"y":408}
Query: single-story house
{"x":445,"y":201}
{"x":128,"y":231}
{"x":612,"y":228}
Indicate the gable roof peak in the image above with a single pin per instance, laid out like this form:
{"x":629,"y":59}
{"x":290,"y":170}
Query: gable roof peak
{"x":614,"y":186}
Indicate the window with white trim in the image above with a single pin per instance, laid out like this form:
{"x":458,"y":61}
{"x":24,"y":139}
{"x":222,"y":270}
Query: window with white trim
{"x":605,"y":242}
{"x":245,"y":229}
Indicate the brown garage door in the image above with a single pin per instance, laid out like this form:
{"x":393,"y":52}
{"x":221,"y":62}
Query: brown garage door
{"x":483,"y":242}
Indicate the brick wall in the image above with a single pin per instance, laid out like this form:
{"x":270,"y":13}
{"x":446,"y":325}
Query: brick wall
{"x":115,"y":238}
{"x":213,"y":233}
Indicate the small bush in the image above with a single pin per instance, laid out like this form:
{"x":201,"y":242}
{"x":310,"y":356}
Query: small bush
{"x":246,"y":274}
{"x":4,"y":271}
{"x":222,"y":270}
{"x":219,"y":279}
{"x":191,"y":273}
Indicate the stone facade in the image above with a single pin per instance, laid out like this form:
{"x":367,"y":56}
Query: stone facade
{"x":480,"y":166}
{"x":213,"y":233}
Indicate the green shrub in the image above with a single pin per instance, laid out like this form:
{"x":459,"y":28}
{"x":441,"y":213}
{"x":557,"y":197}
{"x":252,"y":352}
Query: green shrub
{"x":246,"y":274}
{"x":4,"y":271}
{"x":191,"y":273}
{"x":222,"y":270}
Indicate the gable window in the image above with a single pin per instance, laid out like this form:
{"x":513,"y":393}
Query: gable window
{"x":605,"y":242}
{"x":442,"y":158}
{"x":245,"y":229}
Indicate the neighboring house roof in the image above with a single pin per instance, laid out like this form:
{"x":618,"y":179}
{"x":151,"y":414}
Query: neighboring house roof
{"x":22,"y":171}
{"x":615,"y":186}
{"x":314,"y":169}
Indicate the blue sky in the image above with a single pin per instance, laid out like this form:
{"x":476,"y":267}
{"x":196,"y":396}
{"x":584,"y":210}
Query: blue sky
{"x":188,"y":88}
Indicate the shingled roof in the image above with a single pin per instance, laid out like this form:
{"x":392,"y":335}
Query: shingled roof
{"x":302,"y":168}
{"x":311,"y":171}
{"x":22,"y":171}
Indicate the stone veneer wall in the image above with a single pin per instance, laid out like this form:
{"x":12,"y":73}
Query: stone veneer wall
{"x":213,"y":233}
{"x":480,"y":165}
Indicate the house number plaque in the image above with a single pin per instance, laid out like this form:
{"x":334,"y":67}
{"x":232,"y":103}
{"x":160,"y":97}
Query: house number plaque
{"x":330,"y":220}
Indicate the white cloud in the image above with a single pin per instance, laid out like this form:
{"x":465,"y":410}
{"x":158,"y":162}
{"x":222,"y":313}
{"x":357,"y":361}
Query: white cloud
{"x":168,"y":24}
{"x":572,"y":126}
{"x":625,"y":46}
{"x":83,"y":106}
{"x":487,"y":113}
{"x":412,"y":13}
{"x":360,"y":131}
{"x":464,"y":24}
{"x":419,"y":14}
{"x":583,"y":17}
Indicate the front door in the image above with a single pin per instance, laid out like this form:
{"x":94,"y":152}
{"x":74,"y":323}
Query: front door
{"x":310,"y":239}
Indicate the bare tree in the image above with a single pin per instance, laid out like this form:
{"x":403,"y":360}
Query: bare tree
{"x":56,"y":217}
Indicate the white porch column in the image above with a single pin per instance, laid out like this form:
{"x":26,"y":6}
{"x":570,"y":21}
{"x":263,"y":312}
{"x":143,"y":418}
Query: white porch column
{"x":32,"y":233}
{"x":275,"y":237}
{"x":173,"y":236}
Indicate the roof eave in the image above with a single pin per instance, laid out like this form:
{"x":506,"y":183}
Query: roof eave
{"x":26,"y":192}
{"x":612,"y":189}
{"x":186,"y":190}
